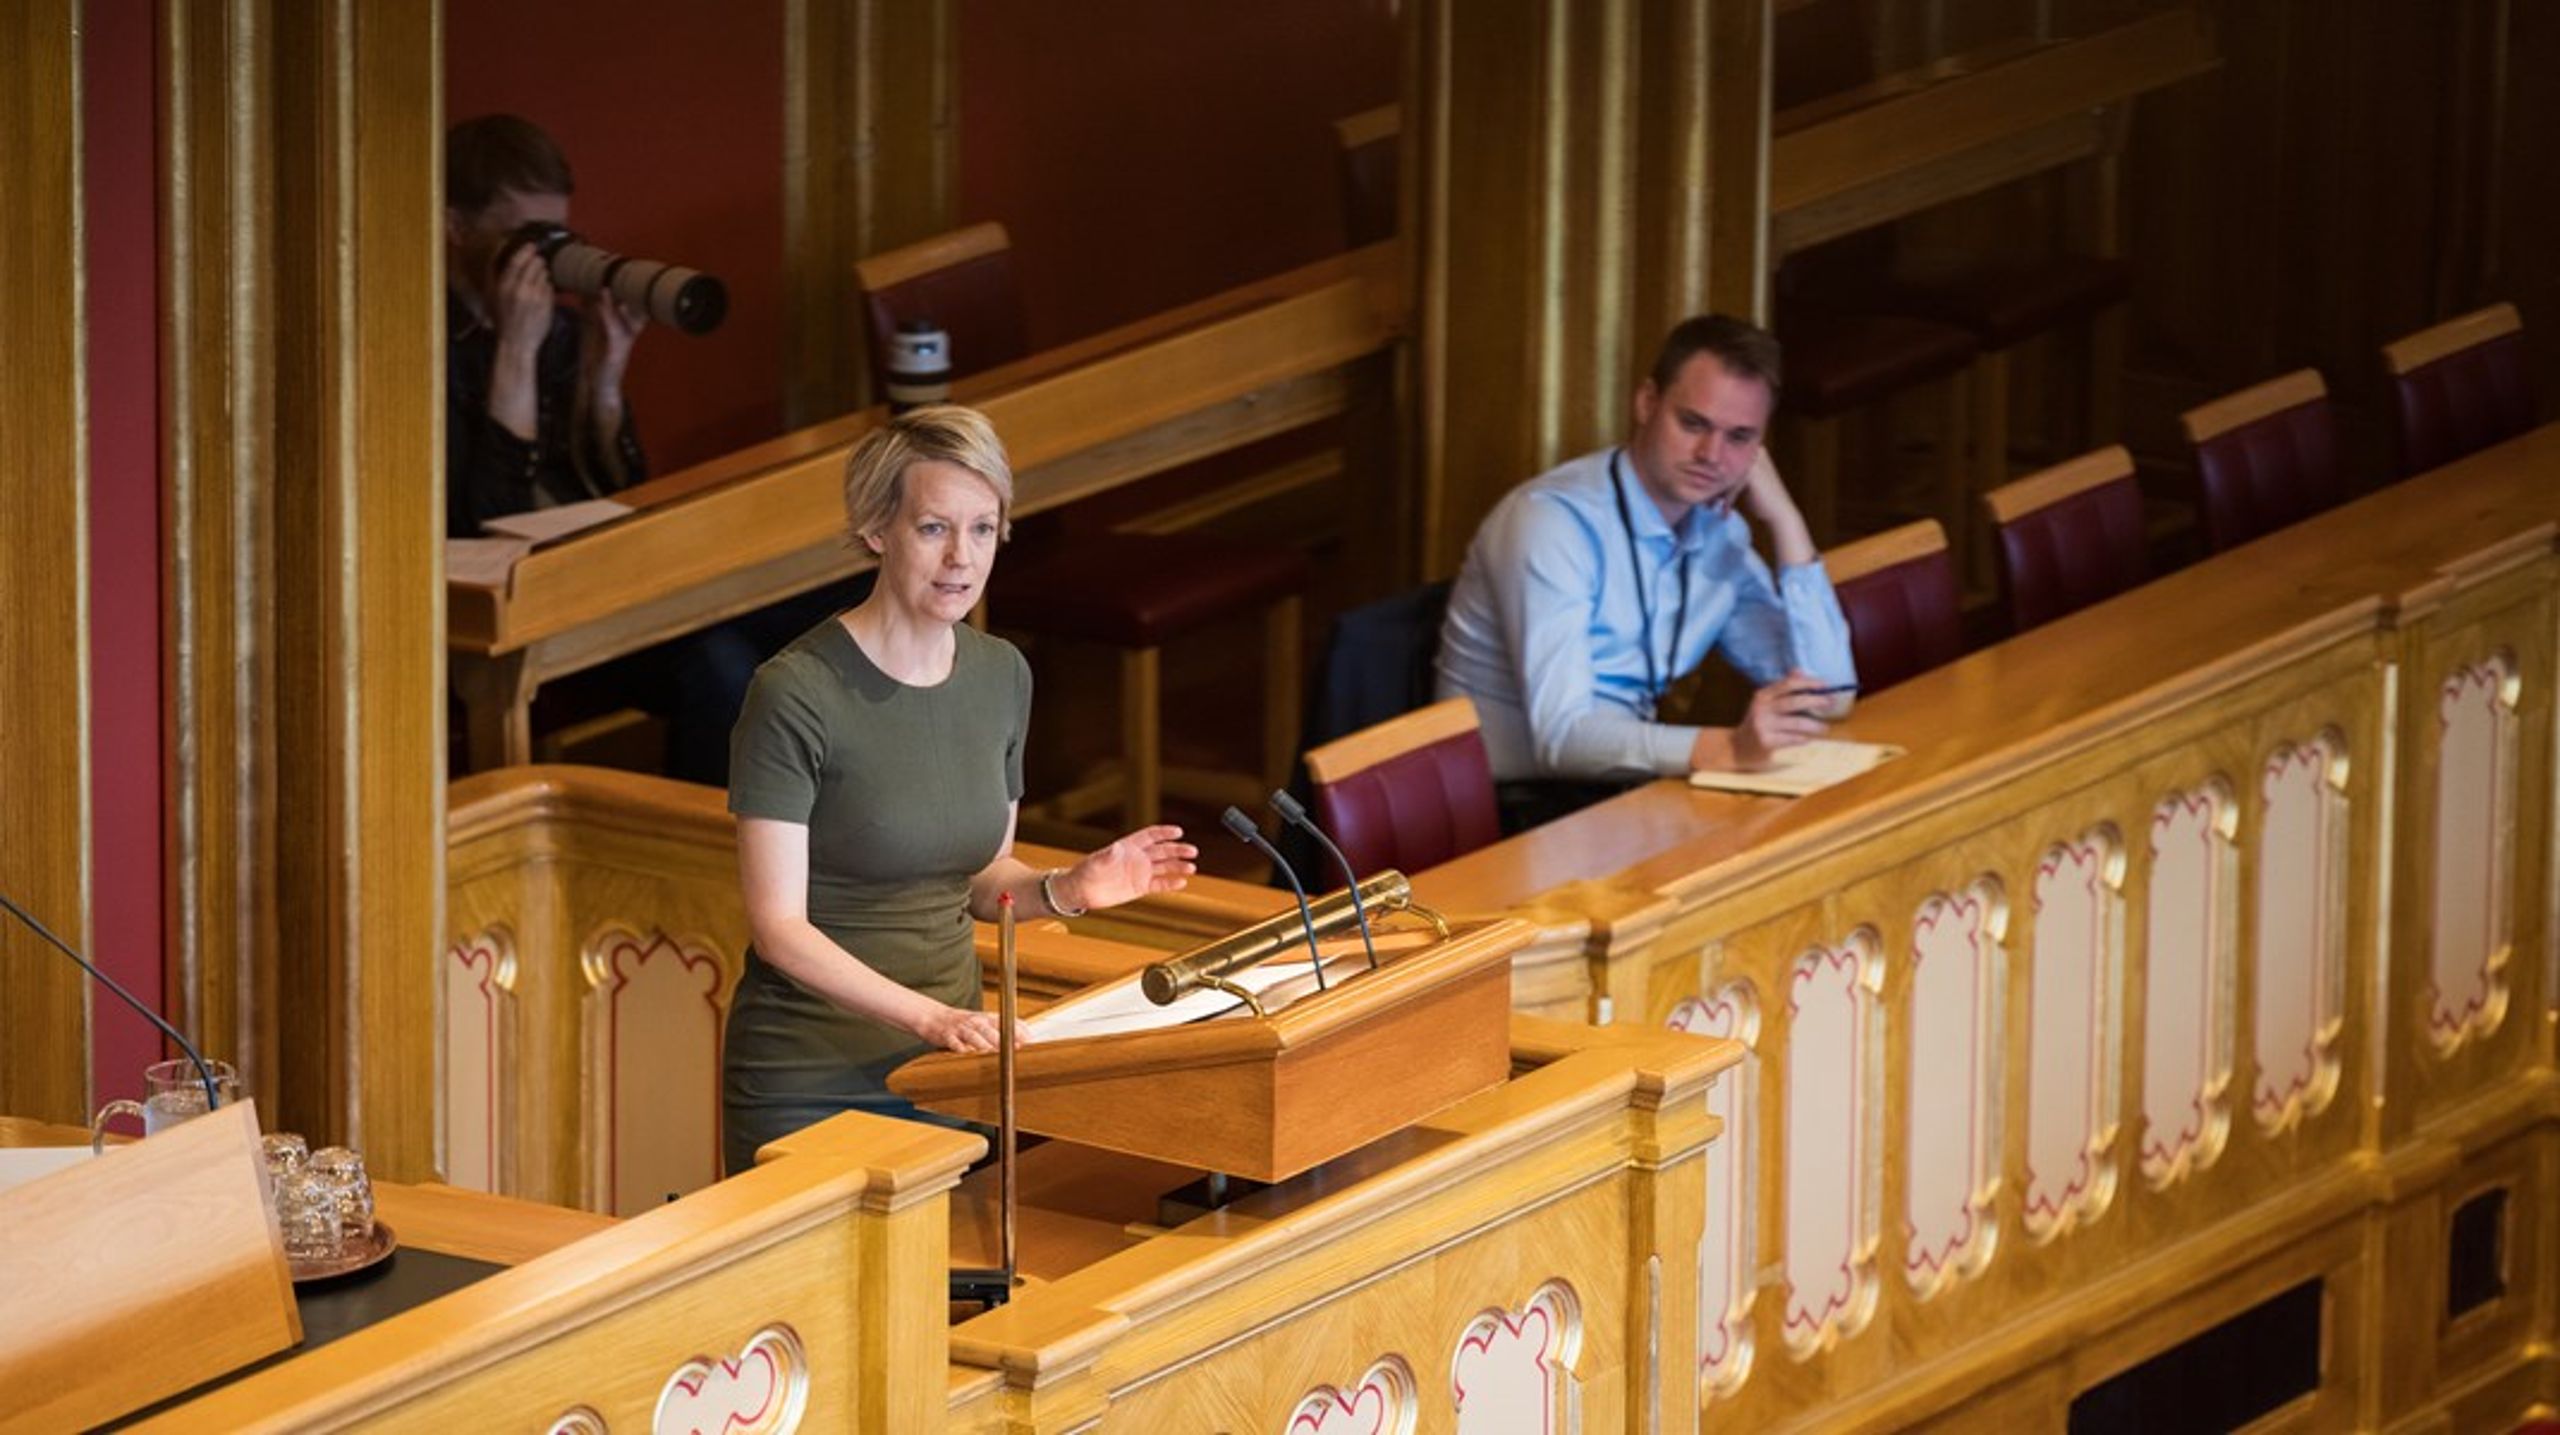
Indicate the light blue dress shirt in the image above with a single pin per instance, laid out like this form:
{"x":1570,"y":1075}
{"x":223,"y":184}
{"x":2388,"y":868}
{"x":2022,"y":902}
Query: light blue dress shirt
{"x":1545,"y":619}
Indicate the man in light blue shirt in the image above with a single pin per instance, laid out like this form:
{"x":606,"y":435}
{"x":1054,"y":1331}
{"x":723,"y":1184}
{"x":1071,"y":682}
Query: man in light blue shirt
{"x":1594,"y":586}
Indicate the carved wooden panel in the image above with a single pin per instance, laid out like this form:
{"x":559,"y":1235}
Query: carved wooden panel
{"x":1384,"y":1401}
{"x":1957,"y":983}
{"x":2187,"y":987}
{"x":2300,"y":931}
{"x":762,"y":1390}
{"x":1726,"y":1280}
{"x":478,"y":1060}
{"x":1512,"y":1371}
{"x":2074,"y":1031}
{"x":2474,"y":841}
{"x":653,"y":1015}
{"x":1834,"y":1116}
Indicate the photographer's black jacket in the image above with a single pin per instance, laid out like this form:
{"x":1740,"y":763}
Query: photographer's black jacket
{"x":489,"y":471}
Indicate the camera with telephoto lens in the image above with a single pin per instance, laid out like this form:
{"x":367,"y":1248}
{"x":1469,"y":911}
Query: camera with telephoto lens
{"x":673,"y":295}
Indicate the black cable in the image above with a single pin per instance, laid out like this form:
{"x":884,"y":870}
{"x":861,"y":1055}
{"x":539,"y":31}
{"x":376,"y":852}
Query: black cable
{"x":203,"y":1072}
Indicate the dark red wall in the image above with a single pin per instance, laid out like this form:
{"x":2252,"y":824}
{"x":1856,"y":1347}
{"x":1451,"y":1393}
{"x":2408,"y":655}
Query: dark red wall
{"x":120,"y":198}
{"x":1147,"y":152}
{"x":1142,"y":152}
{"x":671,"y":114}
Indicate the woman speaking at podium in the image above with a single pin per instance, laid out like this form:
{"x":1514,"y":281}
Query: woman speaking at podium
{"x":875,"y":771}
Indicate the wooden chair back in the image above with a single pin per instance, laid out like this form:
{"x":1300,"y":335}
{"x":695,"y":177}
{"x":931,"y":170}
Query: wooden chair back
{"x":2068,"y":536}
{"x":2459,"y":387}
{"x":1898,"y":590}
{"x":1409,"y":793}
{"x":2266,"y":457}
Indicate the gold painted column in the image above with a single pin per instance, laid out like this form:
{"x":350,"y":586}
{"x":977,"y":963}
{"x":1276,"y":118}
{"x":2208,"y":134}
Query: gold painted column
{"x":217,"y":460}
{"x":305,"y":401}
{"x":870,"y":161}
{"x":44,"y":579}
{"x":1567,"y":213}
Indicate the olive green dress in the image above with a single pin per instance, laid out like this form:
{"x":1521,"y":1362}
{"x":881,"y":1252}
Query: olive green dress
{"x":904,"y":791}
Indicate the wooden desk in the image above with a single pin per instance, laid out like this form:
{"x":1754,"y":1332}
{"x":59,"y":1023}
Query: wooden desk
{"x":767,"y":522}
{"x":1518,"y":1250}
{"x":2202,"y":946}
{"x":1973,"y":724}
{"x":1915,"y":140}
{"x":430,"y":1216}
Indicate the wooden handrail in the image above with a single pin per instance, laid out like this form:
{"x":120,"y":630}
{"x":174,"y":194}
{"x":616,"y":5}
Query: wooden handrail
{"x":779,"y":500}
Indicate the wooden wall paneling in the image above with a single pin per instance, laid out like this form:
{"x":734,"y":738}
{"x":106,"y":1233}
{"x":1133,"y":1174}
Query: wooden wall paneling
{"x":870,"y":162}
{"x":1676,"y":105}
{"x":2519,"y":264}
{"x":1531,"y":207}
{"x":359,"y":659}
{"x":2500,"y":613}
{"x":44,"y":822}
{"x":1735,"y":200}
{"x":216,"y":346}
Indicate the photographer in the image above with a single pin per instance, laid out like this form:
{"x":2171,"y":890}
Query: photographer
{"x":534,"y":414}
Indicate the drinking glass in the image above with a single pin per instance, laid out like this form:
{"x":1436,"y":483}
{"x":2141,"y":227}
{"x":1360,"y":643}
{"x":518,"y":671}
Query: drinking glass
{"x":172,"y":1091}
{"x":340,"y":1174}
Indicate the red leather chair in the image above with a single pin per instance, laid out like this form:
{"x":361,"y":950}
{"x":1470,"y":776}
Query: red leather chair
{"x":2461,"y":387}
{"x":962,"y":281}
{"x":2266,"y":457}
{"x":1367,"y":143}
{"x":1898,"y":591}
{"x":1135,"y":592}
{"x":1412,"y":792}
{"x":2068,"y":536}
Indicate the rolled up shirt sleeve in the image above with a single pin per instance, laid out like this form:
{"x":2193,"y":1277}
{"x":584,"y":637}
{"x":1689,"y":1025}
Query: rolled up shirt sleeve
{"x":1794,"y":622}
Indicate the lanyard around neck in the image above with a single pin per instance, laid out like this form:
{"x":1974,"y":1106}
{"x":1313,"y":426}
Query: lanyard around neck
{"x":1655,"y":684}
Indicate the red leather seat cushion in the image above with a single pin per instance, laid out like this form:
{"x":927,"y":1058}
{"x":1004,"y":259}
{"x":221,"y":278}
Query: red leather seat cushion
{"x":1835,"y":362}
{"x":1903,"y":620}
{"x":2064,"y":557}
{"x":2266,"y":474}
{"x":2463,"y":403}
{"x":2002,"y":302}
{"x":1415,"y":810}
{"x":974,"y":302}
{"x":1134,"y":590}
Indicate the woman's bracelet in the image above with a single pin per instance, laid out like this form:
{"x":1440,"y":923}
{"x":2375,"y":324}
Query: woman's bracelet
{"x":1049,"y":894}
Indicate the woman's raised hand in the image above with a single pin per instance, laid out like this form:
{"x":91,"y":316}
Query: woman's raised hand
{"x":1151,"y":859}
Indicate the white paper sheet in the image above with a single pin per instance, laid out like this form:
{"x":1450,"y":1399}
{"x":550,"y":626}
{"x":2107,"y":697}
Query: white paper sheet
{"x":544,"y":524}
{"x":482,"y":562}
{"x":25,"y":1163}
{"x":1123,"y":1006}
{"x":1796,"y":771}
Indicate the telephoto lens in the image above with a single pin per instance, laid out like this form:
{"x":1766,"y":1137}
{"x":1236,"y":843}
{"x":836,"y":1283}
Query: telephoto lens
{"x":919,"y":366}
{"x":671,"y":294}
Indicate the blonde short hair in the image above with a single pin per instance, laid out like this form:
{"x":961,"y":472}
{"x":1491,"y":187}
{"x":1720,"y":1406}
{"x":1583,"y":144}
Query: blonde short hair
{"x":876,"y":473}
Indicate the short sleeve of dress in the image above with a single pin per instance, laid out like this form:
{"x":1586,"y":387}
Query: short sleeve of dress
{"x":1020,"y":736}
{"x":778,"y":748}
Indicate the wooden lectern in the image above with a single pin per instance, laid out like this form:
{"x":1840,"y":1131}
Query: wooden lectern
{"x":150,"y":1270}
{"x":1262,"y":1094}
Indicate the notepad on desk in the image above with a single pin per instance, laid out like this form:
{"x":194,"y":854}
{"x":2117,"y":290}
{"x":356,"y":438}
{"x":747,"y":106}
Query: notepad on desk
{"x":1809,"y":767}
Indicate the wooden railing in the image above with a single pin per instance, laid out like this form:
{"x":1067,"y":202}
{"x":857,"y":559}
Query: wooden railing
{"x":2201,"y":947}
{"x":595,"y":938}
{"x":1966,"y":123}
{"x":768,"y":521}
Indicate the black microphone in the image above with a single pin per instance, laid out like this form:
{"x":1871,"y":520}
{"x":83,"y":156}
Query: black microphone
{"x":1296,"y":816}
{"x":203,"y":1072}
{"x":1242,"y":826}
